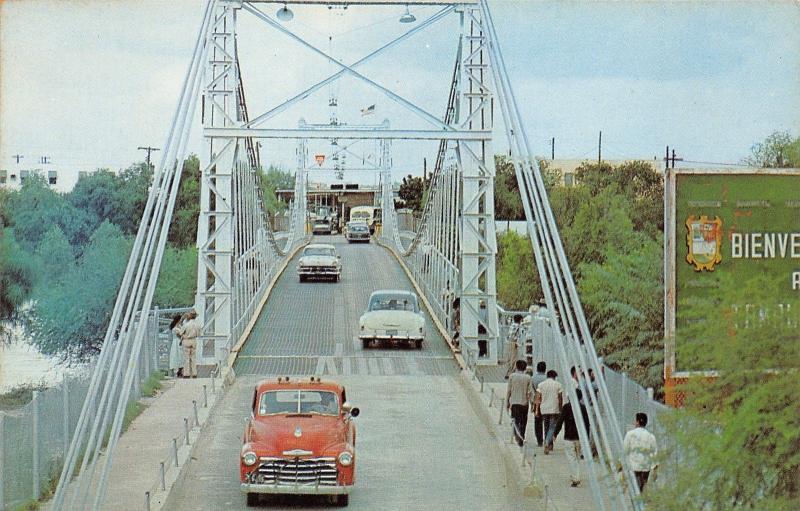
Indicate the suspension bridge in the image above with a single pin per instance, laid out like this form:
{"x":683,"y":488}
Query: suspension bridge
{"x":424,"y":440}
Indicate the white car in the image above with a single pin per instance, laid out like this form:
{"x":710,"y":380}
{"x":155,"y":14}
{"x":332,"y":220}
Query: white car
{"x":319,"y":261}
{"x":392,"y":316}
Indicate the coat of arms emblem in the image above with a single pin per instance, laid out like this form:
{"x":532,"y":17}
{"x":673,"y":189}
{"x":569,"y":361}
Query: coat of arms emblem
{"x":704,"y":240}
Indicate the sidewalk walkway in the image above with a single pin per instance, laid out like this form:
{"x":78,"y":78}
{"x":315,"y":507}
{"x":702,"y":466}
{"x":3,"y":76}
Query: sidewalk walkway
{"x":136,"y":467}
{"x":546,"y":475}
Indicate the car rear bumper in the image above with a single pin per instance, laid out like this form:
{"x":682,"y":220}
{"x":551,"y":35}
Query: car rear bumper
{"x":319,"y":273}
{"x":371,"y":337}
{"x":299,"y":489}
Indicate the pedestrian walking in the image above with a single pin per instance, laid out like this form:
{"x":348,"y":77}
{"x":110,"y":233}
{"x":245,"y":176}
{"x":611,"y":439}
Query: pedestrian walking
{"x":513,"y":350}
{"x":175,"y":354}
{"x":518,"y":396}
{"x":549,"y":401}
{"x":640,"y":450}
{"x":189,"y":331}
{"x":536,"y":379}
{"x":572,"y":449}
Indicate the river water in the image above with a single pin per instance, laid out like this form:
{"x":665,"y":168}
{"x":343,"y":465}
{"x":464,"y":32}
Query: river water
{"x":21,"y":363}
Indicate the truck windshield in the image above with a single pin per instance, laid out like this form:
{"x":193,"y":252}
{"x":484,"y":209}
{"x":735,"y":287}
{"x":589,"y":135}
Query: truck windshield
{"x":298,"y":401}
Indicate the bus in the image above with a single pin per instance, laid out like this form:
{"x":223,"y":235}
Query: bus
{"x":368,"y":214}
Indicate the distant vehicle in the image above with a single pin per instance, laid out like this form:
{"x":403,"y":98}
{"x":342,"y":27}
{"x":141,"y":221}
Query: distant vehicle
{"x":322,"y":226}
{"x":319,"y":261}
{"x":299,"y":439}
{"x":357,"y":231}
{"x":366,"y":214}
{"x":392,"y":316}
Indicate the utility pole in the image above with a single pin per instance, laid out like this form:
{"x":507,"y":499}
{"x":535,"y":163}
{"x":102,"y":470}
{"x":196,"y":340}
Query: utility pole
{"x":600,"y":147}
{"x":18,"y":157}
{"x":670,"y":158}
{"x":552,"y":148}
{"x":149,"y":150}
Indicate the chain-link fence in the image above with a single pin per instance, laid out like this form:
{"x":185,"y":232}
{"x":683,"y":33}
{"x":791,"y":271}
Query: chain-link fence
{"x":34,"y":438}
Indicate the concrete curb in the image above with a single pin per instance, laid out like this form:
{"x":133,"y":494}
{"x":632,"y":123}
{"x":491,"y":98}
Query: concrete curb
{"x":160,"y":498}
{"x":517,"y":465}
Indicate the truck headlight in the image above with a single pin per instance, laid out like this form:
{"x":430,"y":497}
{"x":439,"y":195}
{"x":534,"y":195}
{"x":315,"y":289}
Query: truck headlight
{"x":249,"y":459}
{"x":346,"y":459}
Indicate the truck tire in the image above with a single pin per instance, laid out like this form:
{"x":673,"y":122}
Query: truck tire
{"x":252,"y":499}
{"x":342,"y":500}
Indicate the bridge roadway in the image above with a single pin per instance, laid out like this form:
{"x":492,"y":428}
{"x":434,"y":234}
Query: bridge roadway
{"x":421,"y":445}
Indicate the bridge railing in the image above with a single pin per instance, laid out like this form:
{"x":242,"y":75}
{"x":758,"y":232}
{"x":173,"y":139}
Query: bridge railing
{"x":34,"y":438}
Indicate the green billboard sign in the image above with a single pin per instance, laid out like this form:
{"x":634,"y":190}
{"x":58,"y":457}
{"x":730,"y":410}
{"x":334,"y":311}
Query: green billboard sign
{"x":740,"y":224}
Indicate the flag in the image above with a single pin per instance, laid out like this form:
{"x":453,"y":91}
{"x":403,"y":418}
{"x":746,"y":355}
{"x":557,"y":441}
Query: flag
{"x":369,"y":110}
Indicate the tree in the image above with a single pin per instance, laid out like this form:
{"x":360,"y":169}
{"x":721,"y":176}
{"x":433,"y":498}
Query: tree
{"x":271,"y":181}
{"x":623,"y":300}
{"x":36,"y":207}
{"x":131,"y":196}
{"x":55,"y":257}
{"x":73,"y":315}
{"x":507,"y":199}
{"x":183,"y":231}
{"x":412,"y":191}
{"x":177,"y":280}
{"x":778,"y":150}
{"x":97,"y":195}
{"x":16,"y":276}
{"x":738,"y":435}
{"x":517,"y":279}
{"x":637,"y":181}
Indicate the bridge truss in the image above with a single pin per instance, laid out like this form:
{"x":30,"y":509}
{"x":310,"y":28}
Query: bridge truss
{"x":451,"y":256}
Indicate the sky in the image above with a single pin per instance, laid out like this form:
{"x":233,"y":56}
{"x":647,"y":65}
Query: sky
{"x":86,"y":82}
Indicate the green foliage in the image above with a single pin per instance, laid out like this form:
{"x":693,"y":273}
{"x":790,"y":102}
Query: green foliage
{"x":183,"y":231}
{"x":623,"y":298}
{"x":507,"y":200}
{"x":131,"y":196}
{"x":16,"y":275}
{"x":35,"y":208}
{"x":637,"y":182}
{"x":55,"y":257}
{"x":152,"y":384}
{"x":177,"y":281}
{"x":72,"y":316}
{"x":270,"y":182}
{"x":738,"y":436}
{"x":600,"y":223}
{"x":777,"y":150}
{"x":517,"y":279}
{"x":96,"y":194}
{"x":412,"y":192}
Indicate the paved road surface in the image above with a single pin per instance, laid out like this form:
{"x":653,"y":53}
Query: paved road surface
{"x":421,"y":445}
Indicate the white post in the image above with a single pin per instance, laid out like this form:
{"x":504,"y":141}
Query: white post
{"x":2,"y":460}
{"x":35,"y":441}
{"x":65,"y":414}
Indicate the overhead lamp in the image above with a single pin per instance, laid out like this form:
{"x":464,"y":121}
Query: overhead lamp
{"x":284,"y":13}
{"x":408,"y":17}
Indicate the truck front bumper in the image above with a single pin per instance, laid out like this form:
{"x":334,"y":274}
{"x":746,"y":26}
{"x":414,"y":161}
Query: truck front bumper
{"x":292,"y":489}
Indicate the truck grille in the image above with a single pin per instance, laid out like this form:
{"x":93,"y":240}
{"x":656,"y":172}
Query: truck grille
{"x":296,"y":472}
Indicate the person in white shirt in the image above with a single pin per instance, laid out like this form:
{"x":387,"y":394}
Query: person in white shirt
{"x":189,"y":331}
{"x":548,"y":404}
{"x":640,"y":450}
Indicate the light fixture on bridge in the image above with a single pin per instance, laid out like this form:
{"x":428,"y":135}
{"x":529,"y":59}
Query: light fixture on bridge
{"x":284,"y":13}
{"x":408,"y":17}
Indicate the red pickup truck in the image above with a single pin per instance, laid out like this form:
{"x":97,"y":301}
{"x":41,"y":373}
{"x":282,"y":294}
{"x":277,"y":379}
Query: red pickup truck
{"x":300,"y":439}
